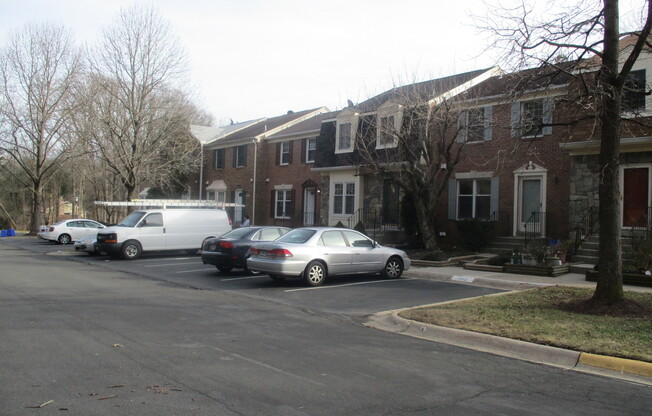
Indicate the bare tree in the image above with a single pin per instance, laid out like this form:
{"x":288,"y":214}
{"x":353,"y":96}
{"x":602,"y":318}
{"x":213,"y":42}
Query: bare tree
{"x":136,"y":118}
{"x":414,"y":138}
{"x":587,"y":34}
{"x":38,"y":69}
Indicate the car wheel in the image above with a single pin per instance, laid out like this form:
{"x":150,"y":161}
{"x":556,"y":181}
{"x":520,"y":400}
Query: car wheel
{"x":393,"y":268}
{"x":64,"y":239}
{"x":276,"y":277}
{"x":315,"y":273}
{"x":131,"y":250}
{"x":224,"y":269}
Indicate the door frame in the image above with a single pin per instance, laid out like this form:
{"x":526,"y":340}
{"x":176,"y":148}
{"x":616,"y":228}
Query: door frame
{"x":529,"y":171}
{"x":621,"y":189}
{"x":312,"y":191}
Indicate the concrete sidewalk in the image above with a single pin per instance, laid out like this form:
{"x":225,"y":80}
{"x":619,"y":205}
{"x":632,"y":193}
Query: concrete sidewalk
{"x":631,"y":370}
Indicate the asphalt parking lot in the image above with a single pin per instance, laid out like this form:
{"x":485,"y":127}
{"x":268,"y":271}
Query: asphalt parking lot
{"x":349,"y":295}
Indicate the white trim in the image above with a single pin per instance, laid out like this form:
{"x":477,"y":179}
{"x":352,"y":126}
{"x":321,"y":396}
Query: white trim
{"x":621,"y":187}
{"x":283,"y":187}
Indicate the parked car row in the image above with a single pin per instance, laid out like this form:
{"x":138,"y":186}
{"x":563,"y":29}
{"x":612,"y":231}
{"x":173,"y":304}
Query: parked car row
{"x":310,"y":253}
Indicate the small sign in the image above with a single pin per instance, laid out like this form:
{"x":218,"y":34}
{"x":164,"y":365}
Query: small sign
{"x":465,"y":279}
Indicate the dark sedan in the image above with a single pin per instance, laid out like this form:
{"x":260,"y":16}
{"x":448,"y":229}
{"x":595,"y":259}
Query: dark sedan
{"x":229,"y":251}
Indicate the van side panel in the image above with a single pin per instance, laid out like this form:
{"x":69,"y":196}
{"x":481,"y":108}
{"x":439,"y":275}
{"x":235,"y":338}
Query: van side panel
{"x":187,"y":229}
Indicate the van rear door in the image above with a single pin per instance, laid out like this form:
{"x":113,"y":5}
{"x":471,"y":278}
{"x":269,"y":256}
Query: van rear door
{"x":152,"y":232}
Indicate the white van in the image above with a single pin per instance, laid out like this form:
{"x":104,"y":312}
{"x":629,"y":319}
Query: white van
{"x":162,"y":229}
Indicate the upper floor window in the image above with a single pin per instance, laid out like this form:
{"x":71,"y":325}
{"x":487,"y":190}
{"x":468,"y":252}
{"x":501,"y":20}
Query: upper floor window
{"x":240,"y":156}
{"x":532,"y":118}
{"x":386,"y":132}
{"x":344,"y":137}
{"x":218,"y":159}
{"x":285,"y":153}
{"x":475,"y":124}
{"x":311,"y":149}
{"x":634,"y":92}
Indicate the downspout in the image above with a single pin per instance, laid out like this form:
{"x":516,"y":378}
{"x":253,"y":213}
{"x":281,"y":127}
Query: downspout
{"x":201,"y":168}
{"x":253,"y":196}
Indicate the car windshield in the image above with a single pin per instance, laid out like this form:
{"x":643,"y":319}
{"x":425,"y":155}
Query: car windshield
{"x":237,"y":233}
{"x":298,"y":236}
{"x":132,"y":219}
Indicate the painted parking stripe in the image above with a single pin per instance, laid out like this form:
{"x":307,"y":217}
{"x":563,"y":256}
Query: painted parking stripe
{"x":346,"y":284}
{"x":159,"y":259}
{"x":239,"y":278}
{"x":196,"y":270}
{"x":171,"y":264}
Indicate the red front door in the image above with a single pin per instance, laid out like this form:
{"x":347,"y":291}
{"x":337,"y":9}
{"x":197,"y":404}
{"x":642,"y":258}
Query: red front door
{"x":635,"y":196}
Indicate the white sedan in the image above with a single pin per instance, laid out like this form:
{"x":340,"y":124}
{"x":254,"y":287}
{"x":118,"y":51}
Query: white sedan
{"x":67,"y":231}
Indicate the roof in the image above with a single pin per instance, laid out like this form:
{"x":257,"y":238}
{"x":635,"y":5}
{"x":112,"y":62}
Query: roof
{"x":308,"y":126}
{"x":206,"y":134}
{"x":424,"y":91}
{"x":264,"y":125}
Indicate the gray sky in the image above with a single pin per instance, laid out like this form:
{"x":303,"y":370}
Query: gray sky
{"x":255,"y":58}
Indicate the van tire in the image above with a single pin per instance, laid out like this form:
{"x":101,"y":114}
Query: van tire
{"x":131,"y":250}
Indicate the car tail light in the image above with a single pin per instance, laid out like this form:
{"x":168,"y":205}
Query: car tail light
{"x":279,"y":252}
{"x":51,"y":229}
{"x":226,"y":244}
{"x":254,"y":251}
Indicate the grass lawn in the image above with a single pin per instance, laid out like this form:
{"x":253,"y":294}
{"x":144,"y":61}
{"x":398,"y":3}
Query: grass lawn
{"x":550,"y":316}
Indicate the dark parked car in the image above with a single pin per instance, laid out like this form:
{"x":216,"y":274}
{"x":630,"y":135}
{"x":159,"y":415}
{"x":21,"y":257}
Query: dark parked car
{"x":230,"y":250}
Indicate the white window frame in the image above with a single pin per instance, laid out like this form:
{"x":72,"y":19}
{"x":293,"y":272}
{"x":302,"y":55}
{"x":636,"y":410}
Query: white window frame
{"x":347,"y":194}
{"x":309,"y":148}
{"x":474,"y":198}
{"x":284,"y":154}
{"x":339,"y":147}
{"x":283,"y":196}
{"x":393,"y":111}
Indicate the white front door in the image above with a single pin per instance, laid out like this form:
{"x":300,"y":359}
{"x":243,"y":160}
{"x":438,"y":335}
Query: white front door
{"x":530,"y":207}
{"x":238,"y":209}
{"x":309,"y":207}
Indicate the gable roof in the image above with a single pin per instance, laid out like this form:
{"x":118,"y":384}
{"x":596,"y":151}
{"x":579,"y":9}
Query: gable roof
{"x":266,"y":126}
{"x":206,"y":134}
{"x":423,"y":91}
{"x":309,"y":126}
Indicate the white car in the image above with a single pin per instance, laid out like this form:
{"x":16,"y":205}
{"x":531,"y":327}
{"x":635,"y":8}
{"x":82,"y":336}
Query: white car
{"x":67,"y":231}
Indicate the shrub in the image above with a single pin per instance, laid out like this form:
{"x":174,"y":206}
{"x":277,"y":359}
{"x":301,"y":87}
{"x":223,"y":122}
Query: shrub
{"x":475,"y":234}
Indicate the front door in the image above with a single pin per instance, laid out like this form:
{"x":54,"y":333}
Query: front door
{"x":636,"y":196}
{"x":239,"y":200}
{"x":309,"y":207}
{"x":530,"y":209}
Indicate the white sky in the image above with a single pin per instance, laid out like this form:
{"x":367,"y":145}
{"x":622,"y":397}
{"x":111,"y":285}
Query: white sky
{"x":256,"y":58}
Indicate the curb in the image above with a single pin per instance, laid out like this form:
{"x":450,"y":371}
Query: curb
{"x":526,"y":351}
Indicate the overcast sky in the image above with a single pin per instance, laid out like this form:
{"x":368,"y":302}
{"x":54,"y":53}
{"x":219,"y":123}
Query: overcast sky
{"x":257,"y":58}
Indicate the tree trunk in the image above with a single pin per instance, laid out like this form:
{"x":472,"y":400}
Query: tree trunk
{"x":426,"y":225}
{"x":609,"y":287}
{"x":37,"y":211}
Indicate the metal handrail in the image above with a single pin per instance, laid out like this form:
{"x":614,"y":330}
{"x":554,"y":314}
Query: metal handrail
{"x":533,"y":226}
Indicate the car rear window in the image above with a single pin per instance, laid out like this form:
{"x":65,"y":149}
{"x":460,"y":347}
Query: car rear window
{"x":238,"y":232}
{"x":298,"y":236}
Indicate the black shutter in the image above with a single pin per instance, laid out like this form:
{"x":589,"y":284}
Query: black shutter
{"x":278,"y":153}
{"x":290,"y":146}
{"x":273,"y":204}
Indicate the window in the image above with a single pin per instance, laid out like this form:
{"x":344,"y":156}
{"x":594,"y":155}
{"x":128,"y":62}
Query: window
{"x":532,"y":118}
{"x":357,"y":240}
{"x":311,"y":149}
{"x":344,"y":198}
{"x":331,"y":239}
{"x":283,"y":203}
{"x":473,"y":198}
{"x":344,"y":137}
{"x":218,"y":159}
{"x":153,"y":220}
{"x":634,"y":92}
{"x":284,"y":153}
{"x":240,"y":156}
{"x":475,"y":125}
{"x":267,"y":234}
{"x":386,"y":132}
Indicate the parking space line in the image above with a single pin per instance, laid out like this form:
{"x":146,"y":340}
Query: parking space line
{"x":171,"y":264}
{"x":346,"y":284}
{"x":161,"y":259}
{"x":239,"y":278}
{"x":196,"y":270}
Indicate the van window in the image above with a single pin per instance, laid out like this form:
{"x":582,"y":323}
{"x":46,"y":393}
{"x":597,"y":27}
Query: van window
{"x":132,"y":219}
{"x":153,"y":220}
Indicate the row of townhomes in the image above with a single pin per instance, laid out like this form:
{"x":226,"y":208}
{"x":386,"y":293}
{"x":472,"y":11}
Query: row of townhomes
{"x":527,"y":156}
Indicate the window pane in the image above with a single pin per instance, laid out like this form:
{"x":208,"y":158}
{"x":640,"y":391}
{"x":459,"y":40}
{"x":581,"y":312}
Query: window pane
{"x":482,"y":207}
{"x":465,"y":207}
{"x":476,"y":125}
{"x":337,"y":204}
{"x":634,"y":91}
{"x":311,"y":147}
{"x":532,"y":118}
{"x":484,"y":187}
{"x":466,"y":187}
{"x":344,"y":141}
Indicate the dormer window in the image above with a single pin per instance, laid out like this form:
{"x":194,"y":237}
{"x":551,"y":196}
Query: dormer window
{"x":386,"y":136}
{"x":389,"y":119}
{"x":344,"y":137}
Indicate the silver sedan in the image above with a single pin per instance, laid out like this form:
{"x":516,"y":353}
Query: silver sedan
{"x":318,"y":252}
